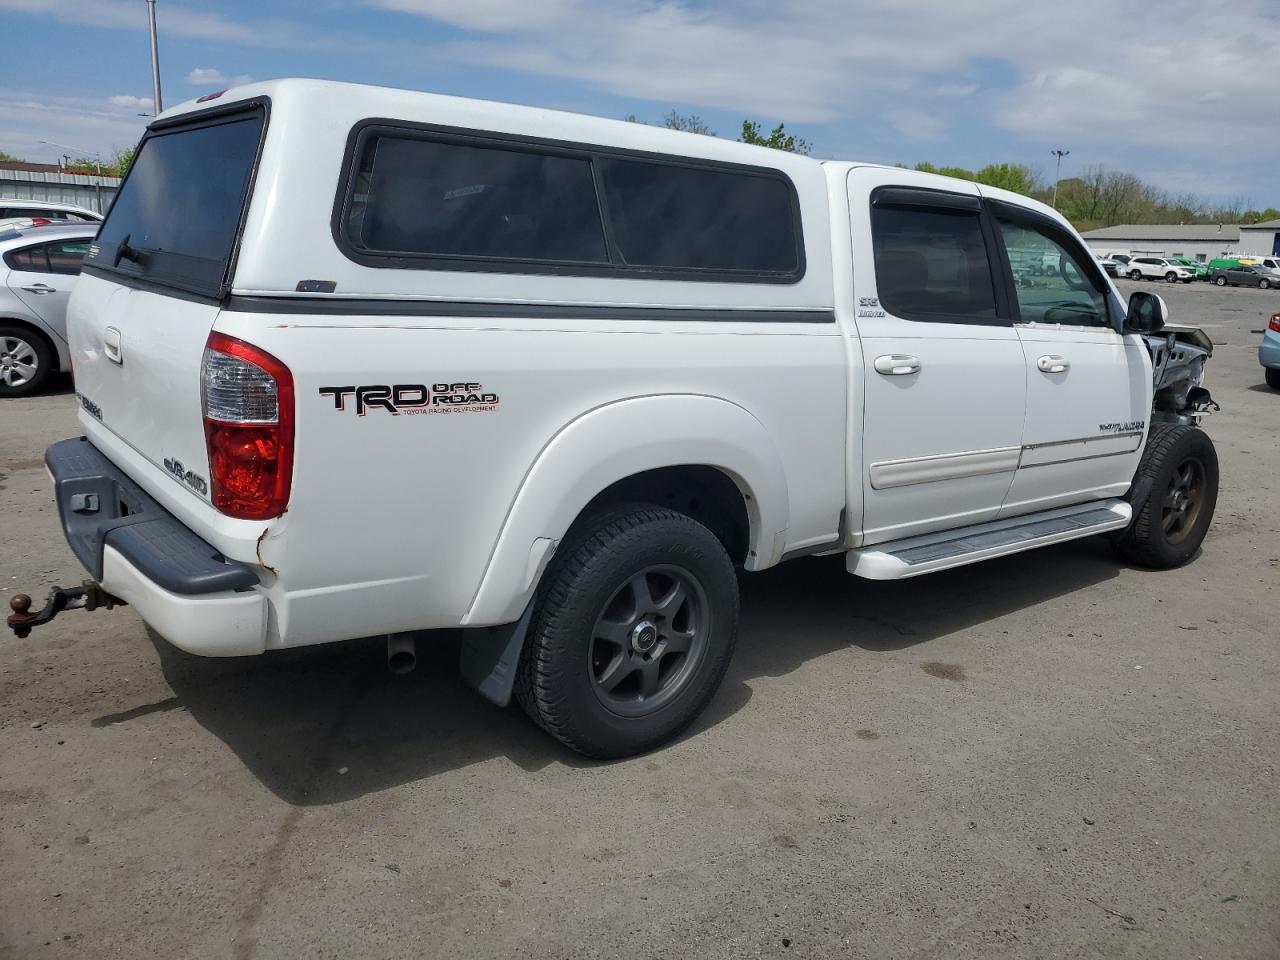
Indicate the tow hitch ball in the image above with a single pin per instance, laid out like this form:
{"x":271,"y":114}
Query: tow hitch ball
{"x":87,"y":596}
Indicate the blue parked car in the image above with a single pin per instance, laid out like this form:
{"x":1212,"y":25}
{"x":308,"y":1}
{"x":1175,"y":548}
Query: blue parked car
{"x":1269,"y":351}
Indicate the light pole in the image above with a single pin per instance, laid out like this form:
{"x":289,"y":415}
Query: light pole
{"x":1057,"y":174}
{"x":155,"y":59}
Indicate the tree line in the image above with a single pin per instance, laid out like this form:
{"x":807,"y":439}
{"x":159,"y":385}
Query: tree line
{"x":1099,"y":197}
{"x":112,"y":166}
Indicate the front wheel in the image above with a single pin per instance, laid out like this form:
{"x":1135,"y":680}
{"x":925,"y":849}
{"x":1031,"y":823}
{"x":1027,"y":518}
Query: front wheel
{"x":1221,"y":281}
{"x":1181,"y":466}
{"x":634,"y":626}
{"x":1170,"y":277}
{"x":1264,"y":284}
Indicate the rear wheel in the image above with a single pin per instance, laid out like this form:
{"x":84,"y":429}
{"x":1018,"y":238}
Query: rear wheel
{"x":1135,"y":274}
{"x":1221,"y":281}
{"x":25,"y":361}
{"x":1181,"y":466}
{"x":1273,"y":378}
{"x":633,"y":630}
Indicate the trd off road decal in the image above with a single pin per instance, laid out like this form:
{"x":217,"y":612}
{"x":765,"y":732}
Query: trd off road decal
{"x":413,"y":398}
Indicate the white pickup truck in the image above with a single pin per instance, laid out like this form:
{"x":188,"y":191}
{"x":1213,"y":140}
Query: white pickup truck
{"x":354,"y":361}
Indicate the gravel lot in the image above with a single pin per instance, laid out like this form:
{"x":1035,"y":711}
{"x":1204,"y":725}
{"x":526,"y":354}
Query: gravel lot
{"x":1051,"y":755}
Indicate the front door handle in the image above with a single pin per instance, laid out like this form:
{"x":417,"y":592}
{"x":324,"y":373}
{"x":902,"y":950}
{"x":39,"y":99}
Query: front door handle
{"x":1053,"y":364}
{"x":40,"y":288}
{"x":897,"y":365}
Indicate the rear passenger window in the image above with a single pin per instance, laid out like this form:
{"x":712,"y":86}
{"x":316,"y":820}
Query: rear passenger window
{"x":687,"y":218}
{"x":30,"y":259}
{"x":65,"y":257}
{"x":932,"y":264}
{"x":457,"y":200}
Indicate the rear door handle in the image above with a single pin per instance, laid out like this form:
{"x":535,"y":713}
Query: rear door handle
{"x":111,"y":345}
{"x":897,"y":365}
{"x":1053,"y":364}
{"x":40,"y":288}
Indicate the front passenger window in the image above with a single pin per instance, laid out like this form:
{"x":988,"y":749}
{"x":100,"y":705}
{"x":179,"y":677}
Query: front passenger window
{"x":1050,"y":279}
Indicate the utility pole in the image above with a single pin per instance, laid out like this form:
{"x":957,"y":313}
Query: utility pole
{"x":65,"y":161}
{"x":157,"y":104}
{"x":1057,"y":174}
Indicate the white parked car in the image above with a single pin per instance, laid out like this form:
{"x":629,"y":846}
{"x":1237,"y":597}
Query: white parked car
{"x":1158,"y":268}
{"x":16,"y":213}
{"x":384,"y":362}
{"x":38,"y":270}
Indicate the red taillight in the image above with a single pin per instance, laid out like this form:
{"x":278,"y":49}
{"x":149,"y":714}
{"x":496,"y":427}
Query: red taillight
{"x":40,"y":221}
{"x":248,"y":428}
{"x":1275,"y":322}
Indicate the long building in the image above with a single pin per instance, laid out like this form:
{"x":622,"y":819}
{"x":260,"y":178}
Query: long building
{"x":1196,"y":240}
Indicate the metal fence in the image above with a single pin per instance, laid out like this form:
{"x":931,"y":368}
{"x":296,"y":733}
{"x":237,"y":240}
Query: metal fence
{"x":93,"y":192}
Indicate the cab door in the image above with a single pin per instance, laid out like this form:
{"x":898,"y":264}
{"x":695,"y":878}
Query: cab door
{"x":1088,"y":386}
{"x":945,"y":381}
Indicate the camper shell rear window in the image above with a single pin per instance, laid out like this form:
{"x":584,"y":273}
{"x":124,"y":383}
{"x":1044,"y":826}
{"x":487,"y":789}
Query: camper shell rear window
{"x":176,"y":221}
{"x":423,"y":197}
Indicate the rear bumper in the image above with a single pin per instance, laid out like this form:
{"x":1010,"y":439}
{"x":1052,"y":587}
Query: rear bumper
{"x":182,"y":587}
{"x":1269,"y":350}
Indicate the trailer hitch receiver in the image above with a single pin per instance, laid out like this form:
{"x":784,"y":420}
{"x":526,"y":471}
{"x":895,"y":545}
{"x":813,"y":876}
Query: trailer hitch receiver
{"x":87,"y":596}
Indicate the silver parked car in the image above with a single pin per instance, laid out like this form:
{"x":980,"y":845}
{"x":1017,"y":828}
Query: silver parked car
{"x":38,"y":270}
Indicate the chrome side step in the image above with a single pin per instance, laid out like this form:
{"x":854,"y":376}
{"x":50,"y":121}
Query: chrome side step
{"x":899,"y":559}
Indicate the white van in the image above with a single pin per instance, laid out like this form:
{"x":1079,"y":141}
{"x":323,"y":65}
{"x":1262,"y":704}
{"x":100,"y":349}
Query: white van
{"x":355,"y":361}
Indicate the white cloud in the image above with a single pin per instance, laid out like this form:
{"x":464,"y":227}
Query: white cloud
{"x":125,"y":100}
{"x":203,"y":76}
{"x":87,"y":123}
{"x":210,"y":77}
{"x":170,"y":19}
{"x":1029,"y":74}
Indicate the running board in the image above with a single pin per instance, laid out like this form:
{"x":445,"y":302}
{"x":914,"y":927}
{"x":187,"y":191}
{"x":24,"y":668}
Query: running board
{"x":899,"y":559}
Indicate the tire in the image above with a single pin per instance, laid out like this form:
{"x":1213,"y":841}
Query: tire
{"x":1221,"y":281}
{"x":1170,"y":277}
{"x":1135,"y":274}
{"x":1264,"y":284}
{"x":26,"y":361}
{"x":1273,"y":378}
{"x":598,"y":671}
{"x":1168,"y":527}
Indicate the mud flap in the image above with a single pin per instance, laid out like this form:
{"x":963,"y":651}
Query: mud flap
{"x":490,"y":657}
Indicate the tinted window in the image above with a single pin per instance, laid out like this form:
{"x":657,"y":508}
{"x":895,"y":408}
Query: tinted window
{"x":680,"y":217}
{"x":33,"y":259}
{"x":932,"y":264}
{"x":1060,"y":289}
{"x":66,"y":256}
{"x":460,"y":200}
{"x":181,"y":203}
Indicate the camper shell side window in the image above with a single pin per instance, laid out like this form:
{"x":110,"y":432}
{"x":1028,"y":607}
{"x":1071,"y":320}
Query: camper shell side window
{"x":421,"y":197}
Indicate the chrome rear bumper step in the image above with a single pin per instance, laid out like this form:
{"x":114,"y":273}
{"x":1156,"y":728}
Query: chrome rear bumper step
{"x":911,"y":557}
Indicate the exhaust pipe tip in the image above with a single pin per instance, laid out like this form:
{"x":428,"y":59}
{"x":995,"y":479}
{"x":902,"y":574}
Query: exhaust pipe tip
{"x":402,"y":653}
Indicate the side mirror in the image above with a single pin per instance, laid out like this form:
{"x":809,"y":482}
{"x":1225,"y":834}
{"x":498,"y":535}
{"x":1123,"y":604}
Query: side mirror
{"x":1147,"y":313}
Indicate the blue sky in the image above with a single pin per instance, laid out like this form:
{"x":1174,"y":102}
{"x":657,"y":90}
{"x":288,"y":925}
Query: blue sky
{"x":879,"y":80}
